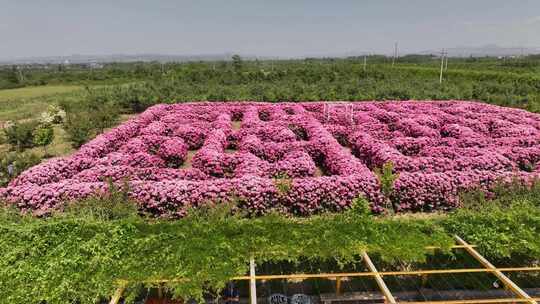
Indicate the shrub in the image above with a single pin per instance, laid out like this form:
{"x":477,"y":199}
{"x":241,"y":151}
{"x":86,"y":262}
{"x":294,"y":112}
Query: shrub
{"x":387,"y":178}
{"x":424,"y":155}
{"x":43,"y":136}
{"x":79,"y":128}
{"x":114,"y":204}
{"x":54,"y":115}
{"x":360,"y":206}
{"x":20,"y":135}
{"x":283,"y":183}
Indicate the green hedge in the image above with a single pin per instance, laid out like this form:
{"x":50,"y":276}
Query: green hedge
{"x":80,"y":255}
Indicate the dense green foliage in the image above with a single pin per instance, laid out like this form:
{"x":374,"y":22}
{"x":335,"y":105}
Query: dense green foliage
{"x":21,"y":135}
{"x":387,"y":177}
{"x":82,"y":252}
{"x":132,"y":87}
{"x":43,"y":136}
{"x":330,"y":80}
{"x":89,"y":117}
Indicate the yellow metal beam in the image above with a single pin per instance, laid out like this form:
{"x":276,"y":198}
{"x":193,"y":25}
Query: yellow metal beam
{"x":118,"y":293}
{"x":451,"y":247}
{"x":476,"y":301}
{"x":383,"y":273}
{"x":378,"y":278}
{"x":359,"y":274}
{"x":501,"y":276}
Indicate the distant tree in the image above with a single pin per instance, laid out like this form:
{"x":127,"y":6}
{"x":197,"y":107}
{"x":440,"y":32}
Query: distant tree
{"x":43,"y":136}
{"x":13,"y":75}
{"x":79,"y":128}
{"x":237,"y":62}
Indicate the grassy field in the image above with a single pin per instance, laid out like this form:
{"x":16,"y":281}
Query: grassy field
{"x":40,"y":91}
{"x":27,"y":103}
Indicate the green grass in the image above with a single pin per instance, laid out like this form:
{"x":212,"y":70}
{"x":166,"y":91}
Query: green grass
{"x":28,"y":103}
{"x":40,"y":91}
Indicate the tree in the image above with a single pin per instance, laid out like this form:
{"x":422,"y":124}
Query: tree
{"x":13,"y":76}
{"x":237,"y":62}
{"x":78,"y":128}
{"x":20,"y":135}
{"x":43,"y":136}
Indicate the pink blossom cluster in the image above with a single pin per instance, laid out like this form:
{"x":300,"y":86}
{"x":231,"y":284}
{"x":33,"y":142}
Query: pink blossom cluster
{"x":185,"y":155}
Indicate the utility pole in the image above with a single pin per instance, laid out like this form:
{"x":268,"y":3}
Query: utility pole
{"x":21,"y":76}
{"x":446,"y":63}
{"x":395,"y":54}
{"x":365,"y":59}
{"x":442,"y":65}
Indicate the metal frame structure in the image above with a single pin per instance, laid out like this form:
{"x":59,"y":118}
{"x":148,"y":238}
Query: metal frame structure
{"x":349,"y":109}
{"x":378,"y":276}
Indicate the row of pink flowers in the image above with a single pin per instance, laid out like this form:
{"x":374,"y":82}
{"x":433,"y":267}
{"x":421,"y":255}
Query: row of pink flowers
{"x":326,"y":151}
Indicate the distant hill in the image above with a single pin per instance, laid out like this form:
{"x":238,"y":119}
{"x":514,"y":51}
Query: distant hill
{"x":81,"y":59}
{"x":462,"y":51}
{"x":487,"y":50}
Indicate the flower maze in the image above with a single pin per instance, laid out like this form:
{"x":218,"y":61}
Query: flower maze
{"x":186,"y":155}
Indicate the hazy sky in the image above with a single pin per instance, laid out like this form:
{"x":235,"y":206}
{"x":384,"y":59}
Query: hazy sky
{"x":258,"y":27}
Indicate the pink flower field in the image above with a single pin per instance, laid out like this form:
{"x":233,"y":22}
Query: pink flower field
{"x":182,"y":155}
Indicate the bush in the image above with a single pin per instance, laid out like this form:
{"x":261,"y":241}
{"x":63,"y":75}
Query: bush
{"x":79,"y":128}
{"x":387,"y":178}
{"x":20,"y":135}
{"x":43,"y":136}
{"x":112,"y":205}
{"x":54,"y":115}
{"x":80,"y":255}
{"x":283,"y":183}
{"x":89,"y":116}
{"x":360,"y":206}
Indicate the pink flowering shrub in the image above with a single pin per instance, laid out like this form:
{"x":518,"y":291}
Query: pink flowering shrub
{"x":186,"y":155}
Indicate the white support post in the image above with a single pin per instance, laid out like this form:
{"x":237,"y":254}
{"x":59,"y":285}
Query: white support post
{"x":365,"y":61}
{"x":395,"y":54}
{"x":442,"y":66}
{"x":252,"y":282}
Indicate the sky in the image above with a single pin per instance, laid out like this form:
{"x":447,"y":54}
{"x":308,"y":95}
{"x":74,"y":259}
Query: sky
{"x":285,"y":28}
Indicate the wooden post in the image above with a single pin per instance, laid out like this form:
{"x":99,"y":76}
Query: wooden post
{"x":252,"y":282}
